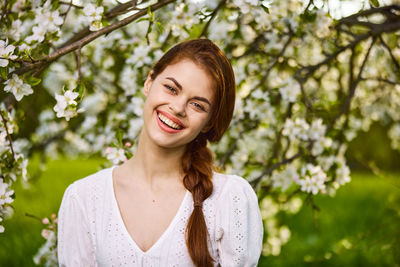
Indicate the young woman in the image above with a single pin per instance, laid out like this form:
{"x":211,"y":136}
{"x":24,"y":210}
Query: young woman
{"x":166,"y":206}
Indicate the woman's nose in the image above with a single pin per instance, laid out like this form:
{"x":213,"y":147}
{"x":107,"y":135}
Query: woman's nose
{"x":178,"y":107}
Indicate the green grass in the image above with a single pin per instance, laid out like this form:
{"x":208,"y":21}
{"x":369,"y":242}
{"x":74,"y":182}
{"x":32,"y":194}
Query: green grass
{"x":365,"y":212}
{"x":364,"y":216}
{"x":22,"y":237}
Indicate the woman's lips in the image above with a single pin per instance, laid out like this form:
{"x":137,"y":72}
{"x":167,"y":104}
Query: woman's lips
{"x":166,"y":128}
{"x":172,"y":118}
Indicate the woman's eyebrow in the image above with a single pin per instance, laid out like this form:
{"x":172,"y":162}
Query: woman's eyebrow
{"x":180,"y":87}
{"x":202,"y":99}
{"x":175,"y":82}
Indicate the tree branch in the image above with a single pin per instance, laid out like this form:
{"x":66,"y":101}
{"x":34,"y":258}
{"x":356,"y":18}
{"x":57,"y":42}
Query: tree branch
{"x":269,"y":170}
{"x":213,"y":15}
{"x":395,"y":62}
{"x":85,"y":40}
{"x":345,"y":108}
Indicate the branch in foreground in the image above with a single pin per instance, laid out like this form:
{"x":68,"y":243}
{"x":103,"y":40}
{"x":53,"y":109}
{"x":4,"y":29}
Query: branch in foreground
{"x":345,"y":108}
{"x":84,"y":41}
{"x":269,"y":170}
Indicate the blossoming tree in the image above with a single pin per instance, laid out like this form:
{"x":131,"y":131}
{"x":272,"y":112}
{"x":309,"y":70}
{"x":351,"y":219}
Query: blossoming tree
{"x":307,"y":84}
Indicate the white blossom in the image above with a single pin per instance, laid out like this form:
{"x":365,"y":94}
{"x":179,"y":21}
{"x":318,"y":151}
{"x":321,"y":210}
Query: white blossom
{"x":5,"y":193}
{"x":285,"y":178}
{"x":48,"y":20}
{"x":17,"y":87}
{"x":63,"y":106}
{"x":136,"y":106}
{"x":6,"y":53}
{"x":128,"y":80}
{"x":317,"y":130}
{"x":93,"y":16}
{"x":116,"y":155}
{"x":343,"y":174}
{"x":93,"y":12}
{"x":16,"y":29}
{"x":140,"y":57}
{"x":322,"y":24}
{"x":290,"y":91}
{"x":38,"y":34}
{"x":320,"y":145}
{"x":296,"y":129}
{"x":313,"y":179}
{"x":135,"y":125}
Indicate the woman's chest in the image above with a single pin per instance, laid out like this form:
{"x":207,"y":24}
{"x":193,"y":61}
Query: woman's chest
{"x":116,"y":246}
{"x":147,"y":217}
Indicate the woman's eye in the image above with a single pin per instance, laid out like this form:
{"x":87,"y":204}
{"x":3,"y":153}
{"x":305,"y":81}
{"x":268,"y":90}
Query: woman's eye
{"x":170,"y":88}
{"x":199,"y":106}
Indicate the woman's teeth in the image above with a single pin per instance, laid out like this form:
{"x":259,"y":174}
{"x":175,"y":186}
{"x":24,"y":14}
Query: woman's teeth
{"x":169,"y":122}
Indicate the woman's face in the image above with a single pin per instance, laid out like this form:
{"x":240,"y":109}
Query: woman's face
{"x":178,"y":104}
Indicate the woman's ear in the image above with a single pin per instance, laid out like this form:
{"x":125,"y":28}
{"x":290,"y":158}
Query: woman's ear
{"x":147,"y":83}
{"x":207,"y":127}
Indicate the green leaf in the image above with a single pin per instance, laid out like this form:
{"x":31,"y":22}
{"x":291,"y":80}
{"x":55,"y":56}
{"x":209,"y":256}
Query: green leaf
{"x":143,"y":19}
{"x":33,"y":80}
{"x":266,"y":9}
{"x":4,"y":73}
{"x":375,"y":3}
{"x":119,"y":135}
{"x":160,"y":27}
{"x":150,"y":13}
{"x":81,"y":89}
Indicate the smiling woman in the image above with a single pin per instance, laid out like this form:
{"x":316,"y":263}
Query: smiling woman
{"x":166,"y":206}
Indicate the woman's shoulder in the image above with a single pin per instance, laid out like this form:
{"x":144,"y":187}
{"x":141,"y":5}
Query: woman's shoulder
{"x":230,"y":183}
{"x":92,"y":182}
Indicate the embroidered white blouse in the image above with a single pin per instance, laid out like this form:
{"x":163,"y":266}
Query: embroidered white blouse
{"x":91,"y":231}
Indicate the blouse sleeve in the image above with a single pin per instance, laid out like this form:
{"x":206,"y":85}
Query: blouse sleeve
{"x":239,"y":228}
{"x":74,"y":246}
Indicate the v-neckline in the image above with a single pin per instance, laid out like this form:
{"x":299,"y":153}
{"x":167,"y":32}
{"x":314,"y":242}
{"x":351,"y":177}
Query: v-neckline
{"x":123,"y":226}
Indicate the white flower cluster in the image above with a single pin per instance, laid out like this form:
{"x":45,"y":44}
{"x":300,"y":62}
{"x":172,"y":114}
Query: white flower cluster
{"x":93,"y":15}
{"x":17,"y":87}
{"x":322,"y":24}
{"x":285,"y":178}
{"x":290,"y":91}
{"x":46,"y":21}
{"x":140,"y":56}
{"x":20,"y":163}
{"x":183,"y":16}
{"x":312,"y":179}
{"x":47,"y":254}
{"x":5,"y":197}
{"x":66,"y":105}
{"x":278,"y":235}
{"x":116,"y":155}
{"x":6,"y":53}
{"x":297,"y":129}
{"x":245,"y":5}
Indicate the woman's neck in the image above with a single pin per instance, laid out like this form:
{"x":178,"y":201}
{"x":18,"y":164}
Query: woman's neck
{"x":156,"y":166}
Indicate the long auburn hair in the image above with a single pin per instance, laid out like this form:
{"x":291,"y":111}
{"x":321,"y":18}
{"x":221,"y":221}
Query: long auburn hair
{"x":197,"y":161}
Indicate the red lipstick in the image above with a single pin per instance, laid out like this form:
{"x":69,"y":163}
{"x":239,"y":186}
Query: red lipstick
{"x":166,"y":128}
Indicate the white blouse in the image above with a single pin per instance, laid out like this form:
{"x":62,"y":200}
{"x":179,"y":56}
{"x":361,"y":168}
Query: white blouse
{"x":91,"y":231}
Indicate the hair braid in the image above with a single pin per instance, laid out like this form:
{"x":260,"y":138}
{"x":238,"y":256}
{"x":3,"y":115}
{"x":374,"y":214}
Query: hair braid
{"x":197,"y":165}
